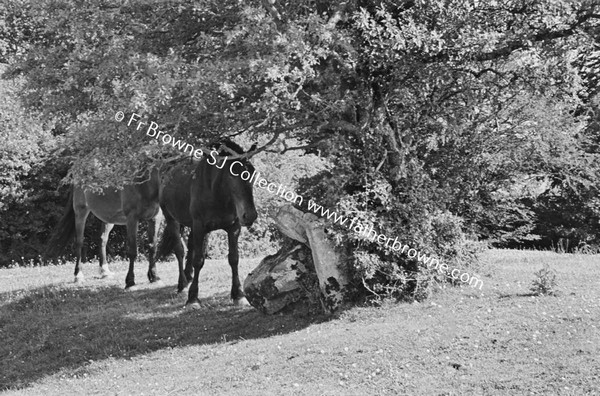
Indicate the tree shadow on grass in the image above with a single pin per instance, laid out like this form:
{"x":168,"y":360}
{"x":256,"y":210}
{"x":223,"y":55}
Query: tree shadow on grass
{"x":51,"y":329}
{"x":530,"y":294}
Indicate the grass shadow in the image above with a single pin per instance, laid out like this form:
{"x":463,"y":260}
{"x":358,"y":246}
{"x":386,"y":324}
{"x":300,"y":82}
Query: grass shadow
{"x":52,"y":329}
{"x":530,"y":294}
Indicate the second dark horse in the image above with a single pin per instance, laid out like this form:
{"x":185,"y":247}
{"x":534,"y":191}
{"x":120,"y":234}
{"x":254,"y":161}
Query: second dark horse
{"x":213,"y":196}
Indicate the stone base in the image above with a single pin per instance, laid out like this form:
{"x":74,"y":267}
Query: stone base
{"x":283,"y":281}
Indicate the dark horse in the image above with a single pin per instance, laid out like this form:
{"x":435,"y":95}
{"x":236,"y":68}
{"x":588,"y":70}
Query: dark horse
{"x":210,"y":197}
{"x":129,"y":206}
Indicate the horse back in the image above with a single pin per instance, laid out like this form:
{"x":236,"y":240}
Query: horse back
{"x":138,"y":200}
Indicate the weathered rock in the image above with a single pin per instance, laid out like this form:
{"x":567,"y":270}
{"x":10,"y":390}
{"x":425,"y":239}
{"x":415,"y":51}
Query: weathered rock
{"x":308,"y":227}
{"x":291,"y":222}
{"x":332,"y":277}
{"x":277,"y":281}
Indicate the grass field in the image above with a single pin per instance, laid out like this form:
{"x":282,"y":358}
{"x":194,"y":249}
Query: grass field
{"x":58,"y":338}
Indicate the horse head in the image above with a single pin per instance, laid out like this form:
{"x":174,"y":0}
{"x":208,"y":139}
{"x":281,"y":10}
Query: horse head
{"x":238,"y":177}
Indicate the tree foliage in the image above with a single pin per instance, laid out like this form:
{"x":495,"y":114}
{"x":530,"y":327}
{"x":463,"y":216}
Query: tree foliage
{"x":26,"y":184}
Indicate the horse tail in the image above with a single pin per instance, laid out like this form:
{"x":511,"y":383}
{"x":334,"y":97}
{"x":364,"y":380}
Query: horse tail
{"x":167,"y":243}
{"x":64,"y":231}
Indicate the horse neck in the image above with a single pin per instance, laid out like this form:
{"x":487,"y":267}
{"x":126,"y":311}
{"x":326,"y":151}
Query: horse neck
{"x":215,"y":181}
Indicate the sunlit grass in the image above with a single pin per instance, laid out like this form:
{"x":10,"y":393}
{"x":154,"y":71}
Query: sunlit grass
{"x":62,"y":338}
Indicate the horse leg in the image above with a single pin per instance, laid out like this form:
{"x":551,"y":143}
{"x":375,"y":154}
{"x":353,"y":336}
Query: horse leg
{"x":132,"y":230}
{"x":105,"y":229}
{"x":180,"y":252}
{"x":81,"y":214}
{"x":189,"y":268}
{"x":198,"y":261}
{"x":153,"y":227}
{"x":173,"y":230}
{"x":237,"y":295}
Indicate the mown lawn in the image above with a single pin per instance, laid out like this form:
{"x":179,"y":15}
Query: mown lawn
{"x":60,"y":338}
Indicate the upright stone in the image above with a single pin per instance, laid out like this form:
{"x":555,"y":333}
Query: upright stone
{"x":308,"y":228}
{"x":332,"y":277}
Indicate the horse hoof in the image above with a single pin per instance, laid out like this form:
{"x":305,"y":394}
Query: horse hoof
{"x":241,"y":302}
{"x":104,"y":274}
{"x":195,"y":305}
{"x":131,"y":288}
{"x":79,"y":278}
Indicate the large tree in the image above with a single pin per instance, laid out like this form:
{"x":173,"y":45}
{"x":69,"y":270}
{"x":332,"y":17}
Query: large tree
{"x":424,"y":108}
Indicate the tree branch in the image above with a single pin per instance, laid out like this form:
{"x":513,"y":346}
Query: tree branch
{"x":481,"y":72}
{"x":274,"y":138}
{"x":269,"y":5}
{"x":546,"y":35}
{"x":293,"y":148}
{"x":509,"y":48}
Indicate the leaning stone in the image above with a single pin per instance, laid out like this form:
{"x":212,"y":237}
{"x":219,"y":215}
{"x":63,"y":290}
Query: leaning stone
{"x":291,"y":223}
{"x":332,"y":278}
{"x":309,"y":229}
{"x":278,"y":281}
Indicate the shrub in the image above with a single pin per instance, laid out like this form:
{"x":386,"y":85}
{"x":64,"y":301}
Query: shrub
{"x":544,"y":282}
{"x":411,"y":215}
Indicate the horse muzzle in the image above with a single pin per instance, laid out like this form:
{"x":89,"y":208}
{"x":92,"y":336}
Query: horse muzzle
{"x":248,"y":218}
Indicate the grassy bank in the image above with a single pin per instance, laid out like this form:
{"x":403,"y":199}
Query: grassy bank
{"x":60,"y":338}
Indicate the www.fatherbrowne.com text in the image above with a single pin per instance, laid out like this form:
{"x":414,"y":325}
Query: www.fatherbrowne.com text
{"x":365,"y":231}
{"x":369,"y":233}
